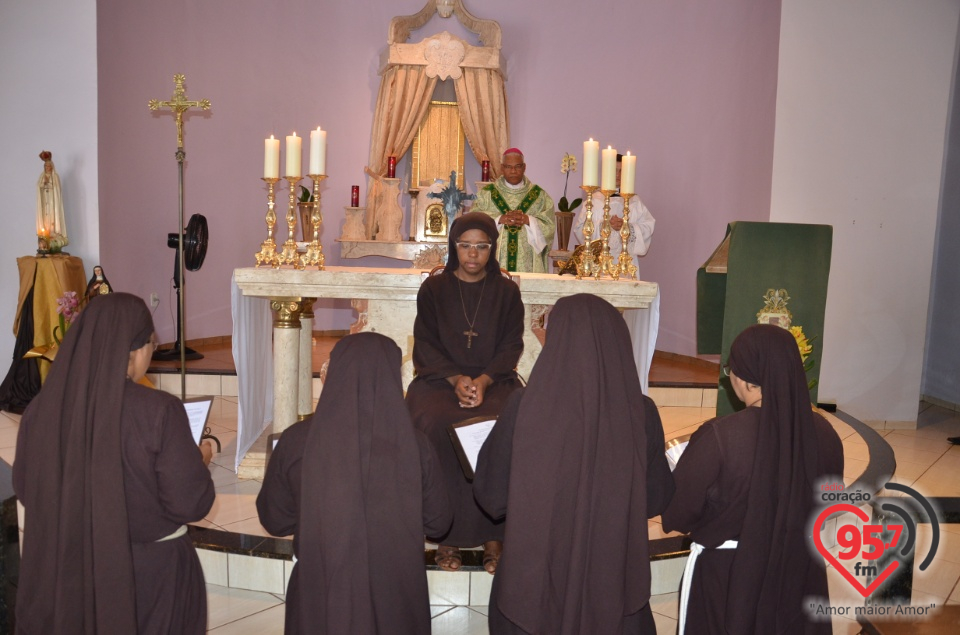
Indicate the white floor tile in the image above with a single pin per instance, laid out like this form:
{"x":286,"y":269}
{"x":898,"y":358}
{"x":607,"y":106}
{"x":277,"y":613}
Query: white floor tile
{"x":226,"y":605}
{"x":666,"y":604}
{"x":665,"y":625}
{"x":460,"y":621}
{"x":267,"y":622}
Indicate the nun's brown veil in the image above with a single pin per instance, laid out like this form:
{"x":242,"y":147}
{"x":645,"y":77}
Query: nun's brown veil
{"x":77,"y":572}
{"x":361,"y":526}
{"x":772,"y":551}
{"x":575,"y":556}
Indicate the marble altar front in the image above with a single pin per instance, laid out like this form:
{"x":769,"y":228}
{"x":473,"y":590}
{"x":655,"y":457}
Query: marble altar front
{"x":386,"y":303}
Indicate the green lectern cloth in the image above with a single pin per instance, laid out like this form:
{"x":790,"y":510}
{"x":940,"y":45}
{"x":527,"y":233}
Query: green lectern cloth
{"x":753,"y":259}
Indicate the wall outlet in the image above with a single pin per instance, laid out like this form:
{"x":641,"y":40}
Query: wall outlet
{"x":154,"y":300}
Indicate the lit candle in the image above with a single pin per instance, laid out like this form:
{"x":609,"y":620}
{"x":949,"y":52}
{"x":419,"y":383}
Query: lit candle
{"x":608,"y":173}
{"x":318,"y":151}
{"x":293,"y":155}
{"x":628,"y":174}
{"x":271,"y":158}
{"x":591,"y":160}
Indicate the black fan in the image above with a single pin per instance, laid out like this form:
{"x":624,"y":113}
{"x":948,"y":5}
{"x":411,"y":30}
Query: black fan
{"x":194,"y":250}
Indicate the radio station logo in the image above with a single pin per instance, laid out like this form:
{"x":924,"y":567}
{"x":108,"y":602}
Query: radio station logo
{"x":876,"y":551}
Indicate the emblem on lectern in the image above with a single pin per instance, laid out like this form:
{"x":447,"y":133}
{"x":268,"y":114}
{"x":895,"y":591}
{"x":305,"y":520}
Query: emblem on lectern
{"x":775,"y":309}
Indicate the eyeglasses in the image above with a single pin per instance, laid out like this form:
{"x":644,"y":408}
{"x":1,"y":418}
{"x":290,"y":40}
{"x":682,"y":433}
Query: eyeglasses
{"x":481,"y":247}
{"x":726,"y":370}
{"x":518,"y":166}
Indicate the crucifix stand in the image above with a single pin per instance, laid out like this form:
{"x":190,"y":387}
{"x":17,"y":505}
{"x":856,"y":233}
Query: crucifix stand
{"x":179,"y":105}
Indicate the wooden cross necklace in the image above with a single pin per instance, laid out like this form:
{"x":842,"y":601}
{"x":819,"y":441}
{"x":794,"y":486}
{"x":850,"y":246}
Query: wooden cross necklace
{"x":470,"y":333}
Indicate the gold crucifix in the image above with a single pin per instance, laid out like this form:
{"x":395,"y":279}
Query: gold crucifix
{"x":179,"y":105}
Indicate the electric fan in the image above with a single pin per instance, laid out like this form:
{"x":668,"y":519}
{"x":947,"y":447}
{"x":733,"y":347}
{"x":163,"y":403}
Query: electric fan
{"x":194,"y":250}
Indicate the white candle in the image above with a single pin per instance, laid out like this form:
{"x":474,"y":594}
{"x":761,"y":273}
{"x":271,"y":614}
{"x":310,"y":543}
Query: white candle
{"x":293,"y":155}
{"x":591,"y":160}
{"x":628,"y":174}
{"x":608,"y":175}
{"x":318,"y":151}
{"x":271,"y":158}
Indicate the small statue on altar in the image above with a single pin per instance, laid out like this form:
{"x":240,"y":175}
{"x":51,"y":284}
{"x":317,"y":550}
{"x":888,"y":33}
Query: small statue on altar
{"x":98,"y":284}
{"x":51,"y":224}
{"x":452,"y":198}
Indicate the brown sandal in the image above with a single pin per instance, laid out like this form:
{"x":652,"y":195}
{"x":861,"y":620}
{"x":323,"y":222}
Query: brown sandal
{"x":448,"y":558}
{"x":491,"y":555}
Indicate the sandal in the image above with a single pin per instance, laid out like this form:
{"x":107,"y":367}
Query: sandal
{"x":491,"y":555}
{"x":448,"y":558}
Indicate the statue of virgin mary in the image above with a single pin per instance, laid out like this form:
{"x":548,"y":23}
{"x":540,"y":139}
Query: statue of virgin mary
{"x":50,"y":220}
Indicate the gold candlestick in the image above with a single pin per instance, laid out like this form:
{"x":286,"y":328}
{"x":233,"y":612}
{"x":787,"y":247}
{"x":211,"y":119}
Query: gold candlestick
{"x":314,"y":255}
{"x":626,"y":267}
{"x":289,"y":255}
{"x":586,"y":264}
{"x":268,"y":248}
{"x":605,"y":266}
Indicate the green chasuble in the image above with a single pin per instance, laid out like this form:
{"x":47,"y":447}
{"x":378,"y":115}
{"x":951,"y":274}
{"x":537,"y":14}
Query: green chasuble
{"x":513,"y":248}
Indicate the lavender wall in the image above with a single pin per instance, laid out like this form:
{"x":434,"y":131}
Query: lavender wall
{"x":688,"y":86}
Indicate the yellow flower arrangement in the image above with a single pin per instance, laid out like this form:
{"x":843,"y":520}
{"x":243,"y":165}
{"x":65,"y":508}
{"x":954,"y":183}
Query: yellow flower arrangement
{"x":806,"y":348}
{"x":802,"y":342}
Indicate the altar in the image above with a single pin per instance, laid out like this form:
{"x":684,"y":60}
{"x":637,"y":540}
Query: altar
{"x":386,"y":303}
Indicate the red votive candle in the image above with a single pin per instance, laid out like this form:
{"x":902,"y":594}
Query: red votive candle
{"x":392,"y":168}
{"x":354,"y":196}
{"x":485,"y":171}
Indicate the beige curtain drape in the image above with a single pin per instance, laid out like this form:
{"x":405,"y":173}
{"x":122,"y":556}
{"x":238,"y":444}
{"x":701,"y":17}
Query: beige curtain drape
{"x":405,"y":93}
{"x":483,"y":112}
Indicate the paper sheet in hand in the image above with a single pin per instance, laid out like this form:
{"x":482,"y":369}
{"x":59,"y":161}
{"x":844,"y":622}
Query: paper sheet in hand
{"x":674,"y":452}
{"x":468,"y":437}
{"x":198,"y":411}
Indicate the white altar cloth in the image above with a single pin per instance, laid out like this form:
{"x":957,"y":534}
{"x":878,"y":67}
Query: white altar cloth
{"x":386,"y":302}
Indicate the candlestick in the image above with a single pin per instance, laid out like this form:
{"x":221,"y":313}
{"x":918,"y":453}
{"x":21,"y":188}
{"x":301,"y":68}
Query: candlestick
{"x":271,"y":158}
{"x":268,"y":248}
{"x":587,"y":263}
{"x":606,"y":266}
{"x":608,"y":177}
{"x":318,"y":151}
{"x":392,"y":168}
{"x":591,"y":158}
{"x":314,"y":255}
{"x":628,"y":173}
{"x":625,"y":266}
{"x":289,"y":255}
{"x":485,"y":171}
{"x":354,"y":196}
{"x":293,"y":156}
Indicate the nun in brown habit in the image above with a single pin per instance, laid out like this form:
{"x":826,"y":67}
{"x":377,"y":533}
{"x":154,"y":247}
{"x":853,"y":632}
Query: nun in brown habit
{"x":576,"y":464}
{"x":358,"y":487}
{"x":108,"y":472}
{"x":468,"y":337}
{"x":745,"y":491}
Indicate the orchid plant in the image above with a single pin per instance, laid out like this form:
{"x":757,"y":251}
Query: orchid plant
{"x":567,"y":165}
{"x":68,"y":309}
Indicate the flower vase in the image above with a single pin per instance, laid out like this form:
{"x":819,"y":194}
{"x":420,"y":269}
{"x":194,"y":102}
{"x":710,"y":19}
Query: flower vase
{"x":564,"y":226}
{"x":306,"y":212}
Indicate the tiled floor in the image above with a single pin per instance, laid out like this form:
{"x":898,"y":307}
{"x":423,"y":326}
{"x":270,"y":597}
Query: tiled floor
{"x":926,"y":461}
